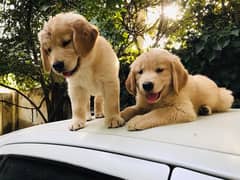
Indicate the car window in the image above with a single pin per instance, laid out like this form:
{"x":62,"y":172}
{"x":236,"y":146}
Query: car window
{"x":28,"y":168}
{"x":181,"y":173}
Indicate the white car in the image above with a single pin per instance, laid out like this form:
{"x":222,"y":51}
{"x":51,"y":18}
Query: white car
{"x":208,"y":149}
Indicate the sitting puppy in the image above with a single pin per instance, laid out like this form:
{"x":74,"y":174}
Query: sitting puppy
{"x":166,"y":93}
{"x":72,"y":47}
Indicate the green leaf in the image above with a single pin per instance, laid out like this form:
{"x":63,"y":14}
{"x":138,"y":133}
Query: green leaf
{"x":212,"y":56}
{"x":217,"y":46}
{"x":199,"y":47}
{"x":45,"y":7}
{"x":225,"y":43}
{"x":235,"y":44}
{"x":235,"y":32}
{"x":205,"y":37}
{"x":187,"y":58}
{"x":125,"y":35}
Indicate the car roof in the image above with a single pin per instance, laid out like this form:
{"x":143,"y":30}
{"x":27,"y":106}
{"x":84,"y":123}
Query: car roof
{"x":210,"y":144}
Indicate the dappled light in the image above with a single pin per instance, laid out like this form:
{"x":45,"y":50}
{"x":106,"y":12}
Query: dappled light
{"x":160,"y":15}
{"x":4,"y":90}
{"x":173,"y":12}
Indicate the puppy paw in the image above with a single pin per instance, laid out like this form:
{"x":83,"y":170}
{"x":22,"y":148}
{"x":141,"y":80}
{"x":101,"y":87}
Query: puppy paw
{"x":114,"y":122}
{"x":99,"y":115}
{"x":124,"y":115}
{"x":89,"y":117}
{"x":136,"y":123}
{"x":76,"y":125}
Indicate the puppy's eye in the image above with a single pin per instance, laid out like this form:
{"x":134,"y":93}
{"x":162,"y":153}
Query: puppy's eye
{"x":49,"y":50}
{"x":140,"y":72}
{"x":159,"y":70}
{"x":66,"y":42}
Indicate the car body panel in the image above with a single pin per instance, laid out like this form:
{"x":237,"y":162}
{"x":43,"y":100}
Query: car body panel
{"x":210,"y":144}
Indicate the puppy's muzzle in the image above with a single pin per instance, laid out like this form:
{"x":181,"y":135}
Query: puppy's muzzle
{"x":148,"y":86}
{"x":59,"y":66}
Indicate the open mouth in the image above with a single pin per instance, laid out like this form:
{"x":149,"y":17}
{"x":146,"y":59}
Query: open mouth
{"x":152,"y":97}
{"x":70,"y":73}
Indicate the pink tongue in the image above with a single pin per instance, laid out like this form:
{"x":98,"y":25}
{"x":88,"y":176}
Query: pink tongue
{"x":152,"y":97}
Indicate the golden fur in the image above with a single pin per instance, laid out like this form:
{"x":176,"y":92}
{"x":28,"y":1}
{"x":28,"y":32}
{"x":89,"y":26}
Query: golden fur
{"x":72,"y":47}
{"x":173,"y":95}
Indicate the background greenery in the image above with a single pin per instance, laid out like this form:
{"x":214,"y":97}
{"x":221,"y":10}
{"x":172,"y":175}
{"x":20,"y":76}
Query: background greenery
{"x":211,"y":42}
{"x":208,"y":35}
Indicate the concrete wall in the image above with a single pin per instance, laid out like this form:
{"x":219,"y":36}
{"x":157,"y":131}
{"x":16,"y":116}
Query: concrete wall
{"x":8,"y":113}
{"x":13,"y":117}
{"x":28,"y":117}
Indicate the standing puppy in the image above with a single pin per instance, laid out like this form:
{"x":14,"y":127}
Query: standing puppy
{"x":72,"y":47}
{"x":166,"y":93}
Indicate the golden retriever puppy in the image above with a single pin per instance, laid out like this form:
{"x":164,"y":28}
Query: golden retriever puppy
{"x":72,"y":47}
{"x":166,"y":93}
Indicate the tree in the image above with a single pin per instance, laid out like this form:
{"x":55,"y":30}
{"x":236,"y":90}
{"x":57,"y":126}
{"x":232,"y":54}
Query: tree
{"x":209,"y":34}
{"x":20,"y":59}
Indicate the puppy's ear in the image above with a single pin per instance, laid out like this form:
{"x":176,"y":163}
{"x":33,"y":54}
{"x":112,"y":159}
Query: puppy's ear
{"x":179,"y":74}
{"x":43,"y":35}
{"x":45,"y":60}
{"x":130,"y":83}
{"x":84,"y":37}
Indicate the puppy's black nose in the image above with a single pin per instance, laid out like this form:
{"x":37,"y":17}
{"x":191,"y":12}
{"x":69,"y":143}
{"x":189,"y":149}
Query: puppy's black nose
{"x":58,"y":66}
{"x":147,"y":86}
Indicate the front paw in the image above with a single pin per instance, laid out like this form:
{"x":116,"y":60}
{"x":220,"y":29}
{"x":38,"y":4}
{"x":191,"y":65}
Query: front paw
{"x":136,"y":123}
{"x":89,"y":117}
{"x":99,"y":115}
{"x":77,"y":124}
{"x":114,"y":122}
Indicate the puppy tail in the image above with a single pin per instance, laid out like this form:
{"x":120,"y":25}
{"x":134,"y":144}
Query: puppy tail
{"x":225,"y":100}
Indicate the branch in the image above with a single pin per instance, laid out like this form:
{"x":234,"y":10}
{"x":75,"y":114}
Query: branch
{"x":31,"y":44}
{"x":160,"y":25}
{"x":13,"y":104}
{"x":41,"y":103}
{"x":32,"y":47}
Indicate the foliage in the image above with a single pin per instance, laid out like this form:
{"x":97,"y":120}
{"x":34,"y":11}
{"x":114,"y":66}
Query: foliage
{"x":19,"y":48}
{"x":211,"y":41}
